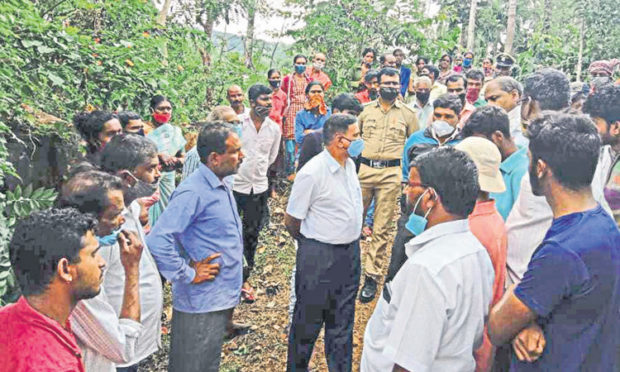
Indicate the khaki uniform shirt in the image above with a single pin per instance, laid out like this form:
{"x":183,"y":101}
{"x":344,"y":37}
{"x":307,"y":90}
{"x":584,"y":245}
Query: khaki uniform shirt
{"x":385,"y":132}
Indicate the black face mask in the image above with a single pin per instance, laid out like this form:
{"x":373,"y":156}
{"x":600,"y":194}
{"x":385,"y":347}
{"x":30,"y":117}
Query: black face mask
{"x":262,"y":111}
{"x":423,"y":96}
{"x":274,"y":83}
{"x":139,"y":190}
{"x":463,"y":96}
{"x":388,"y":94}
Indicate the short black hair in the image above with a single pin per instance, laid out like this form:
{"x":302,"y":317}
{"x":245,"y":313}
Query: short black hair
{"x":90,"y":124}
{"x":453,"y":175}
{"x":433,"y":70}
{"x":258,"y":90}
{"x":446,"y":55}
{"x":387,"y":71}
{"x":486,"y":120}
{"x":489,"y":58}
{"x":455,"y":78}
{"x":475,"y":74}
{"x":88,"y":191}
{"x":41,"y":240}
{"x":126,"y":152}
{"x":347,"y":101}
{"x":212,"y":138}
{"x":422,"y":58}
{"x":468,"y":52}
{"x":368,"y":50}
{"x":397,"y":50}
{"x":371,"y":74}
{"x":271,"y":72}
{"x":569,"y":144}
{"x":337,"y":123}
{"x":382,"y":57}
{"x":449,"y":101}
{"x":313,"y":83}
{"x":126,"y":116}
{"x":156,"y":100}
{"x":508,"y":84}
{"x":604,"y":103}
{"x":549,"y":87}
{"x":299,"y":56}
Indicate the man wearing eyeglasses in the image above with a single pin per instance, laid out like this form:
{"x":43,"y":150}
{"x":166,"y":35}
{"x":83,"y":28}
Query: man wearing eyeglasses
{"x":385,"y":125}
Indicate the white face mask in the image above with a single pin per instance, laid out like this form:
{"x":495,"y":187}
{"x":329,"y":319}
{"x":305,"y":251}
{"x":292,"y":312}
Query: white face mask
{"x":442,"y":128}
{"x":319,"y":65}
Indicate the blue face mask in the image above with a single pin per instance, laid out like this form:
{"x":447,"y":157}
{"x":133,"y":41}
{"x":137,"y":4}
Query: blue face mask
{"x":355,"y":148}
{"x":110,"y":238}
{"x":467,"y":62}
{"x":300,"y":69}
{"x":416,"y":224}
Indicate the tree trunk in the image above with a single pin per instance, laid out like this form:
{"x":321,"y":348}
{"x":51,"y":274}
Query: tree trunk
{"x":471,"y":27}
{"x":580,"y":55}
{"x":163,"y":13}
{"x":510,"y":26}
{"x":249,"y":35}
{"x":546,"y":15}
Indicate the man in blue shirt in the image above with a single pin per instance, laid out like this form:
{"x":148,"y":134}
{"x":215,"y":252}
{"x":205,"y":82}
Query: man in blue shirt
{"x":405,"y":72}
{"x":197,"y":244}
{"x":492,"y":123}
{"x":563,"y":315}
{"x":446,"y":112}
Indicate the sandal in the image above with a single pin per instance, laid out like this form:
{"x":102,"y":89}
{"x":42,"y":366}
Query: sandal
{"x":247,"y":295}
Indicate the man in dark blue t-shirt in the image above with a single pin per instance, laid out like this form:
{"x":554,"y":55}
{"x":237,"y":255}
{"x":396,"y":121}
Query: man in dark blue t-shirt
{"x":565,"y":313}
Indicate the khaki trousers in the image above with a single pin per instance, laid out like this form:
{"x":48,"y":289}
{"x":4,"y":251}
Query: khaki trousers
{"x":384,"y":185}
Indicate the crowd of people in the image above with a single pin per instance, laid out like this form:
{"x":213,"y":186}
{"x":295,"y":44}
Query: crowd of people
{"x":507,"y":246}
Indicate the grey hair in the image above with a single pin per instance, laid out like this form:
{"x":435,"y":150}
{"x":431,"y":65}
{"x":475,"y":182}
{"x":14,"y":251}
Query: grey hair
{"x":508,"y":84}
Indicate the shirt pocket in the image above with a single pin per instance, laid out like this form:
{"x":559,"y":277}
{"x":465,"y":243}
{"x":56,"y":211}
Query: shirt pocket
{"x":369,"y":129}
{"x":397,"y":131}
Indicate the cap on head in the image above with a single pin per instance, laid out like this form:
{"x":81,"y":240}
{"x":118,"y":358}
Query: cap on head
{"x":488,"y":159}
{"x":504,"y":60}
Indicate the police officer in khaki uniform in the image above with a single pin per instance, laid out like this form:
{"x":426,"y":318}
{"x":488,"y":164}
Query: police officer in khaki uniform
{"x":385,"y":124}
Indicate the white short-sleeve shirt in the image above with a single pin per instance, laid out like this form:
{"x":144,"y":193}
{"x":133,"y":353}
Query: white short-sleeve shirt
{"x":327,"y":198}
{"x":434,"y":315}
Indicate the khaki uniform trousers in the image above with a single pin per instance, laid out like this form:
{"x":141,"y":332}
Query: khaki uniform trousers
{"x":384,"y":185}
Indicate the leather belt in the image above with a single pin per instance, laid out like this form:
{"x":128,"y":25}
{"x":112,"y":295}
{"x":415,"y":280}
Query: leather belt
{"x":380,"y":164}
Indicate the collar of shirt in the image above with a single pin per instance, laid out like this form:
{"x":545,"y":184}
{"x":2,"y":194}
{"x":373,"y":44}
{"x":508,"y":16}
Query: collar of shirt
{"x":514,"y":116}
{"x":332,"y":163}
{"x":483,"y":208}
{"x":431,"y":134}
{"x":468,"y":108}
{"x":32,"y":318}
{"x":416,"y":105}
{"x":213,"y":181}
{"x":436,"y":232}
{"x":513,"y":161}
{"x":397,"y":104}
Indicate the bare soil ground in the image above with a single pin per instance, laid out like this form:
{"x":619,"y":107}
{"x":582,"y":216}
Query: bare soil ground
{"x":265,"y":347}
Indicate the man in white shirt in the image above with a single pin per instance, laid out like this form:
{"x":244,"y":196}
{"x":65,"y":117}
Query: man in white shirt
{"x":431,"y":316}
{"x":260,"y":139}
{"x":324,"y":214}
{"x":133,"y":159}
{"x":506,"y":93}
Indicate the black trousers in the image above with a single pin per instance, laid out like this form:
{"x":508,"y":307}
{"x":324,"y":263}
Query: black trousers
{"x":326,"y":284}
{"x":398,"y":257}
{"x":252,"y":209}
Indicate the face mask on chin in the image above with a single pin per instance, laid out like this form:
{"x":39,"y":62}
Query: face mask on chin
{"x":140,"y":189}
{"x":416,"y":223}
{"x":262,"y":111}
{"x":110,"y":238}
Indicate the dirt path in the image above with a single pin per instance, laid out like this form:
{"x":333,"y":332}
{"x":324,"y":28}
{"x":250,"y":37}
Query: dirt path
{"x":265,"y":348}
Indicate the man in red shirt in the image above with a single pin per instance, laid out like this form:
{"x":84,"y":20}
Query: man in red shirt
{"x":55,"y":257}
{"x":316,"y":73}
{"x":371,"y":82}
{"x":487,"y":225}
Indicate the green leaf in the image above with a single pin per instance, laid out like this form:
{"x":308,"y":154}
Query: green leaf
{"x":44,"y":49}
{"x":27,"y":191}
{"x":55,"y":79}
{"x":17,"y":193}
{"x":31,"y":43}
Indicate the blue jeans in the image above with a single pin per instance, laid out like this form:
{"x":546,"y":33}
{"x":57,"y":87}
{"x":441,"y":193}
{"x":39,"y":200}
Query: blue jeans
{"x":370,"y":214}
{"x":289,"y":156}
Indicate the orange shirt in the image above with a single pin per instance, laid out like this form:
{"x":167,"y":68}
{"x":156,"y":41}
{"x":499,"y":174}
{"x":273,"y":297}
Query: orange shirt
{"x":320,"y":76}
{"x":487,"y":225}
